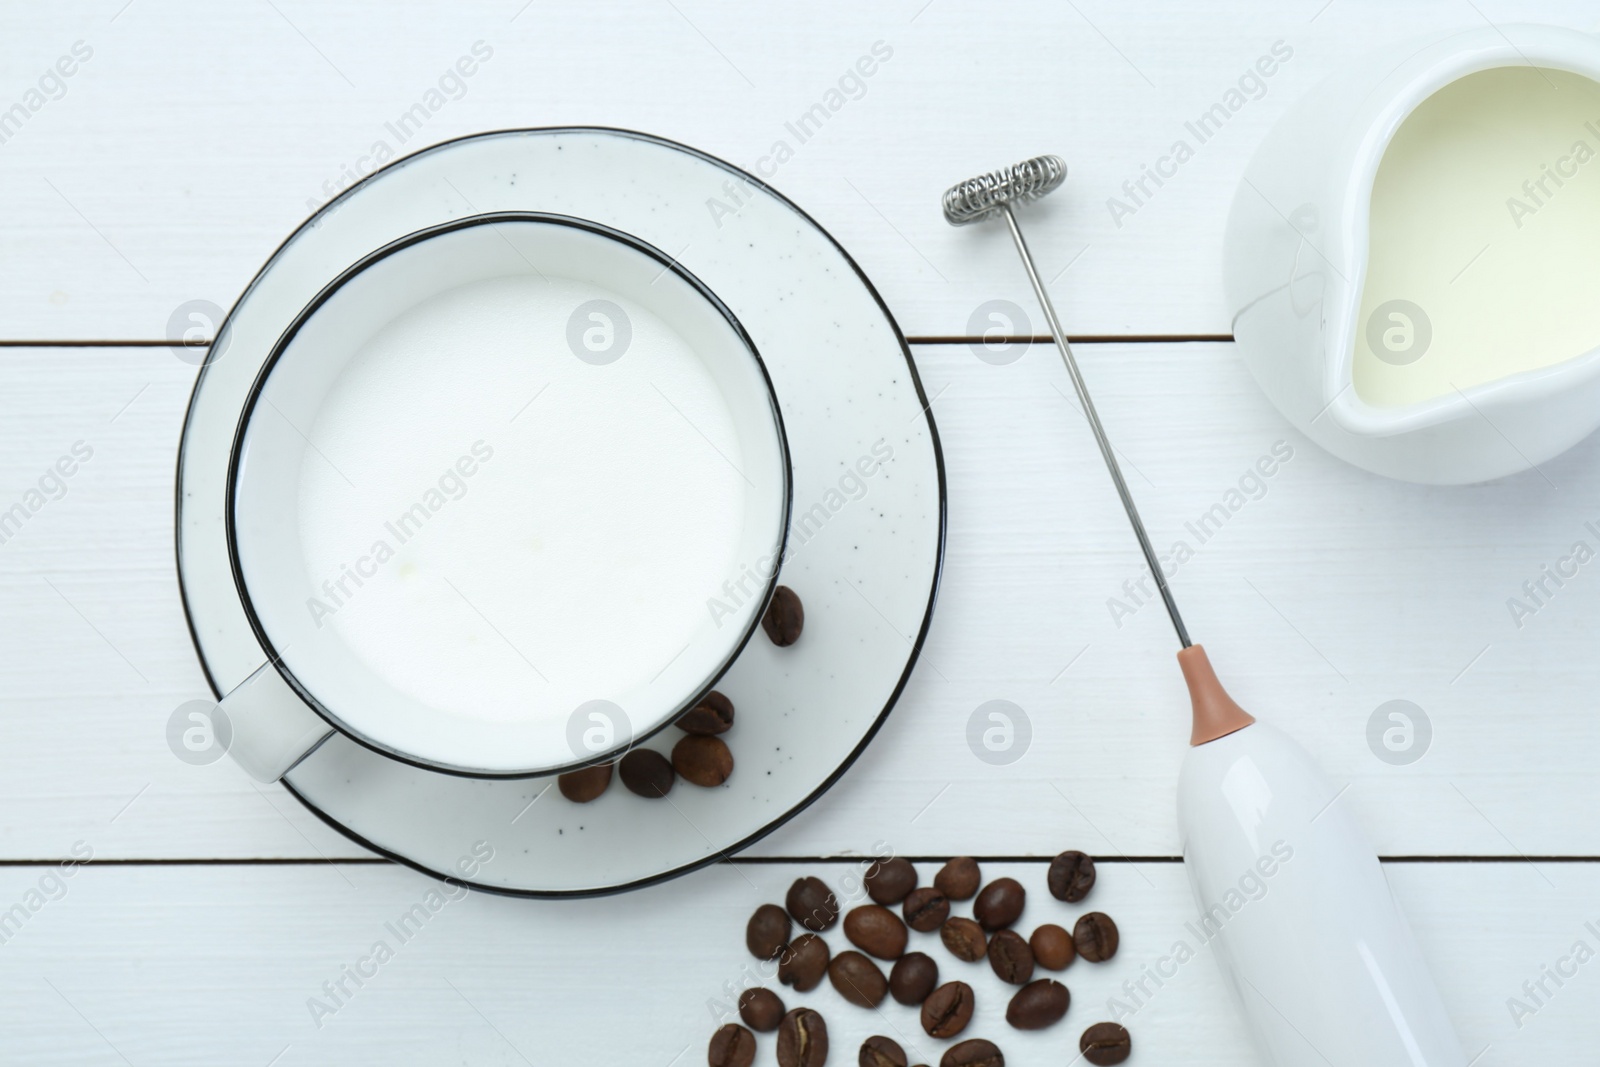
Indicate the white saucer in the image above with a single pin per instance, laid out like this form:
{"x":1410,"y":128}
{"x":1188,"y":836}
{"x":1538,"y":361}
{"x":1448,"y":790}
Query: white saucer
{"x":865,"y":550}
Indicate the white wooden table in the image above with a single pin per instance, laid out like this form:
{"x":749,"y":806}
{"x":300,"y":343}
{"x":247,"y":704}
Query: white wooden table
{"x":195,"y":136}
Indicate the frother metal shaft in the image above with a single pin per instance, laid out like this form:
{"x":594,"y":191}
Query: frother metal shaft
{"x":994,"y":194}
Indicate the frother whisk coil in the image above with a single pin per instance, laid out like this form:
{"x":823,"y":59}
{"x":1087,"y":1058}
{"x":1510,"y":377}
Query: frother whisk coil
{"x":978,"y":198}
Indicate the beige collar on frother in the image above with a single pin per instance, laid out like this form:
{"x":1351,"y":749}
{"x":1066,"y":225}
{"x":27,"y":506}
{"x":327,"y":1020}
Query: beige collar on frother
{"x":1215,"y":713}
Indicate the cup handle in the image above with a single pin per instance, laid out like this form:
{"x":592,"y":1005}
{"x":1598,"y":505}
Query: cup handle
{"x":273,"y":729}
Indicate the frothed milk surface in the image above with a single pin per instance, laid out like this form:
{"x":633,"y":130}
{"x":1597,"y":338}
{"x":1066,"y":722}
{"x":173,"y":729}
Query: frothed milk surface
{"x":1485,"y":237}
{"x":529,"y":531}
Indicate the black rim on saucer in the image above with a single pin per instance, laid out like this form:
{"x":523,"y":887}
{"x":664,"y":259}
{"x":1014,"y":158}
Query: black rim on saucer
{"x":723,"y":855}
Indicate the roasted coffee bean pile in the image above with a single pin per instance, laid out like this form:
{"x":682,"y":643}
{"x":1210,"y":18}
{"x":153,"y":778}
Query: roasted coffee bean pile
{"x":701,"y":758}
{"x":945,"y":1007}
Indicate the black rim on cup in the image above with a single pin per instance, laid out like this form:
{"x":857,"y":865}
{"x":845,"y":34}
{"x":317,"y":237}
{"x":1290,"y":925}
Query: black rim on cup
{"x":275,"y":658}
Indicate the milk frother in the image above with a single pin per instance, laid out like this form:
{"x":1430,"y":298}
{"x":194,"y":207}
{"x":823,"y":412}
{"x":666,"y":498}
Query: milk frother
{"x":1310,"y":940}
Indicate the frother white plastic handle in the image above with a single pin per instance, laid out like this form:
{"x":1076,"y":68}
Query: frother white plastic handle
{"x":1297,"y":908}
{"x":273,"y":729}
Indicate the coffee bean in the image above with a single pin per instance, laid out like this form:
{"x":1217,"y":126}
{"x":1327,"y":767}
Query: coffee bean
{"x":1052,"y":947}
{"x":878,"y":1051}
{"x":925,"y":909}
{"x":812,"y":904}
{"x":732,"y":1046}
{"x":858,"y":979}
{"x":646,"y":772}
{"x":876,"y":930}
{"x":964,"y":938}
{"x":959,"y":878}
{"x":1095,"y":937}
{"x":761,"y":1009}
{"x":1071,"y":877}
{"x":913,"y":978}
{"x":1105,"y":1043}
{"x":1010,"y":957}
{"x":974,"y":1053}
{"x":584,"y":785}
{"x":702,"y":761}
{"x":948,"y":1010}
{"x":1000,"y":903}
{"x":713,"y":715}
{"x":1038,"y":1005}
{"x":785,"y":617}
{"x":767,"y":933}
{"x":802,"y":1039}
{"x":888,"y":882}
{"x":804,"y":963}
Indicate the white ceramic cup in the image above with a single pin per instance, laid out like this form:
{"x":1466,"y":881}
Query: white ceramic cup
{"x":310,"y":683}
{"x":1297,"y":256}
